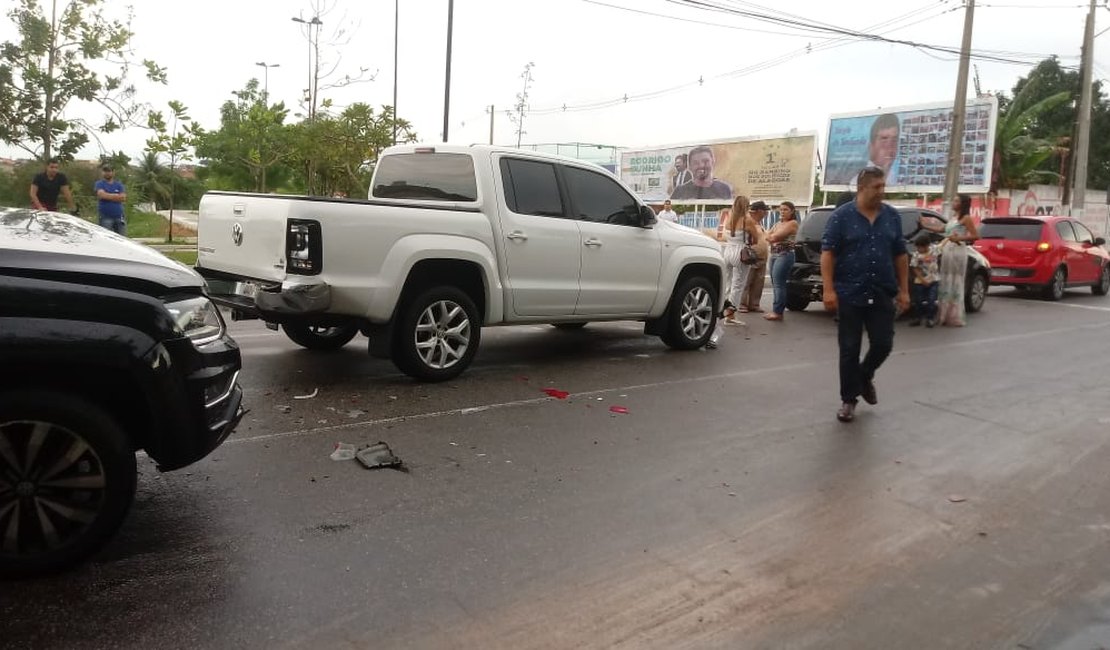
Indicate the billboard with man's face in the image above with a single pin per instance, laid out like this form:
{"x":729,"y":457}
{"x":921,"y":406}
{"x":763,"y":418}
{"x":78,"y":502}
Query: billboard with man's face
{"x":772,"y":169}
{"x":911,"y":145}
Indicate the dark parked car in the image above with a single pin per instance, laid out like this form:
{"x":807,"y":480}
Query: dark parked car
{"x":805,"y":286}
{"x":107,"y":348}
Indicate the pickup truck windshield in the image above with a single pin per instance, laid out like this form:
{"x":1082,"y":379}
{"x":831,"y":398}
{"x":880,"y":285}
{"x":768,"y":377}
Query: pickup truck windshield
{"x":426,"y":176}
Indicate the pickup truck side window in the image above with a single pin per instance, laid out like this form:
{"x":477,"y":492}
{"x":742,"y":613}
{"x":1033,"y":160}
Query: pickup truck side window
{"x":426,"y":176}
{"x":599,"y":198}
{"x":531,"y":187}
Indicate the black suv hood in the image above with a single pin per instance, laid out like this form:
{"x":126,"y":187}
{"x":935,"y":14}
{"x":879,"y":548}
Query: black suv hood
{"x":54,"y":246}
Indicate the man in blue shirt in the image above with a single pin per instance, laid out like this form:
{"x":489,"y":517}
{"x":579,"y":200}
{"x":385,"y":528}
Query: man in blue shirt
{"x":865,"y":271}
{"x":110,"y":199}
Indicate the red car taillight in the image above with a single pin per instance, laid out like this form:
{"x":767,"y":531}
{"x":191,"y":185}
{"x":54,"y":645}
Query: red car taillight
{"x":1044,"y":247}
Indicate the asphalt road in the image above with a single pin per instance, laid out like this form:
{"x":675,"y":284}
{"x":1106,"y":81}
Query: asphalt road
{"x":726,"y":509}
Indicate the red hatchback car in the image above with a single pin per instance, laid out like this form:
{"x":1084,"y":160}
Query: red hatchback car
{"x":1045,"y":253}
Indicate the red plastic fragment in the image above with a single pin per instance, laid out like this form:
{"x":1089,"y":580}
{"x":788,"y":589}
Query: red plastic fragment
{"x":619,"y":409}
{"x":556,"y":393}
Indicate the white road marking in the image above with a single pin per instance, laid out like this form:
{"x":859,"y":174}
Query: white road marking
{"x":659,"y":384}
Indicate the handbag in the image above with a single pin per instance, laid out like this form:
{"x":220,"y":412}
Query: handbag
{"x":747,"y":251}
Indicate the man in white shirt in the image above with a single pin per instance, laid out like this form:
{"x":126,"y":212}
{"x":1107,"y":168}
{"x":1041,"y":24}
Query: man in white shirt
{"x":668,"y":214}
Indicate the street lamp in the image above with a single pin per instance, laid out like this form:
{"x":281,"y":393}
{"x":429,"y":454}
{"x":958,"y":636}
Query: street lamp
{"x":311,"y":45}
{"x":266,"y":82}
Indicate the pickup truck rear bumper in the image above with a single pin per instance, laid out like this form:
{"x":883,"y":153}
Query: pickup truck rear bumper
{"x":248,"y":298}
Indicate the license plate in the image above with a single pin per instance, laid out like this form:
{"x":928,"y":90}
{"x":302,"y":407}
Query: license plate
{"x":1001,"y":273}
{"x":246,"y":289}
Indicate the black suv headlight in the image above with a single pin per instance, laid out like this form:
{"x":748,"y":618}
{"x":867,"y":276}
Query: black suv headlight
{"x":197,"y":318}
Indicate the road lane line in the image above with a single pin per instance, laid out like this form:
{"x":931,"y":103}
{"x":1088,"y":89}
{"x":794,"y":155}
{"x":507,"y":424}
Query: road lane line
{"x":483,"y":408}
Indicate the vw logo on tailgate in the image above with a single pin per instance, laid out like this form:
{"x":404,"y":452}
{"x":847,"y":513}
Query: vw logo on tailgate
{"x":237,"y":234}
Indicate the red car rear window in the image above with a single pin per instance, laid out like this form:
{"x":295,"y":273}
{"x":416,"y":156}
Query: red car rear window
{"x":1012,"y":229}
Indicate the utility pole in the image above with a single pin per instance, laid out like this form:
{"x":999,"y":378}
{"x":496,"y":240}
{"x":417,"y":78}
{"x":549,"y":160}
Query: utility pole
{"x":1083,"y":131}
{"x":491,"y":123}
{"x":447,"y":82}
{"x":396,"y":24}
{"x":959,"y":115}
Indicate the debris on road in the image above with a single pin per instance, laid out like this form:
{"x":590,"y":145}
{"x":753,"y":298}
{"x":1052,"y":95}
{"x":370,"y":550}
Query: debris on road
{"x":956,"y":498}
{"x":377,"y":455}
{"x":556,"y":393}
{"x":619,"y":409}
{"x":284,"y":408}
{"x":343,"y":451}
{"x":355,"y":413}
{"x":314,"y":393}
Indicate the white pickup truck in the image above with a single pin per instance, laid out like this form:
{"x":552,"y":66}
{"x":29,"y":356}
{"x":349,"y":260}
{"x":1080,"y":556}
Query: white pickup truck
{"x":453,"y":239}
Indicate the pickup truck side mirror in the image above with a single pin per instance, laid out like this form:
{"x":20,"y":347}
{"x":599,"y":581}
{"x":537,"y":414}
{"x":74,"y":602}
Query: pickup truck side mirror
{"x":647,"y":216}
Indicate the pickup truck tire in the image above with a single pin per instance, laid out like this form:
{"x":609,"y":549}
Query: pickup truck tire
{"x":691,"y":314}
{"x":67,"y":480}
{"x":437,"y":334}
{"x":320,"y":338}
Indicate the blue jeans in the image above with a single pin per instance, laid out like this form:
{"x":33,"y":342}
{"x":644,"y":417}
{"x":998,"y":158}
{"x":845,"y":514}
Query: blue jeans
{"x":116,"y":225}
{"x":925,"y":300}
{"x":878,"y":320}
{"x":781,"y":264}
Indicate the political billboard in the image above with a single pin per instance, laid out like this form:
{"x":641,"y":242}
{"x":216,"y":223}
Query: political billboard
{"x":911,"y":144}
{"x":768,"y":168}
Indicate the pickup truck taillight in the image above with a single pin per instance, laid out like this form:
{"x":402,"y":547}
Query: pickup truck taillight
{"x":303,"y":247}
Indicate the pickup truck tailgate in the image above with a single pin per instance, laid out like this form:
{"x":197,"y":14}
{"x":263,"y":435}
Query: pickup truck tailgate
{"x":243,"y":236}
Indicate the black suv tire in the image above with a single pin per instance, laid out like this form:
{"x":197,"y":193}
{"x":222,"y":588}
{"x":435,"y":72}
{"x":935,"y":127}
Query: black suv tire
{"x":693,"y":299}
{"x":412,"y":334}
{"x":794,"y":302}
{"x":320,"y":337}
{"x":67,"y":471}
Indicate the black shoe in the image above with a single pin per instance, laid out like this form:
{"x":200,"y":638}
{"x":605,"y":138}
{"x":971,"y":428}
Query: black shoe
{"x":930,"y":323}
{"x":868,"y":392}
{"x":847,"y":412}
{"x":915,"y":322}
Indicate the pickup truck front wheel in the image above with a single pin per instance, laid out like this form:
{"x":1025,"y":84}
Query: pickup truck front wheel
{"x":437,"y":335}
{"x":691,"y":315}
{"x":67,"y":480}
{"x":317,"y":337}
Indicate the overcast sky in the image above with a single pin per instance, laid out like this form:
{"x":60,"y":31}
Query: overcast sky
{"x":585,"y":53}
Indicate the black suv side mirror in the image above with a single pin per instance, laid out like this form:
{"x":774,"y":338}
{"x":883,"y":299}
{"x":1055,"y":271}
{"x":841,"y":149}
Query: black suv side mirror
{"x":647,"y":216}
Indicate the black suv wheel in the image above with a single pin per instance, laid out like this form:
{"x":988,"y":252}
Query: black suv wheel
{"x":67,"y":480}
{"x":795,"y":302}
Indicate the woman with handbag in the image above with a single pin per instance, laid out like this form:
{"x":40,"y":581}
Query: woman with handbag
{"x":739,"y":231}
{"x":753,"y":287}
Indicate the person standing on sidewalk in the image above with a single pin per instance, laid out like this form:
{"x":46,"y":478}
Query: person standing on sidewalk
{"x":110,"y":199}
{"x":865,"y":273}
{"x":753,"y":286}
{"x":47,"y":185}
{"x":781,"y":238}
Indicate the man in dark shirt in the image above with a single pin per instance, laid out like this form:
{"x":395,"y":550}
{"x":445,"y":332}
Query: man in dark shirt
{"x":46,"y":187}
{"x":702,"y":186}
{"x":865,"y":271}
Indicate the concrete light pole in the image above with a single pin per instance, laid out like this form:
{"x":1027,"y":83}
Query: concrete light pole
{"x":959,"y":115}
{"x":1083,"y":132}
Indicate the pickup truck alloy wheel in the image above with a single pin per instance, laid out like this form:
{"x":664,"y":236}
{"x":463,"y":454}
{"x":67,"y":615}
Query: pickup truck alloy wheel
{"x":438,"y":334}
{"x":67,"y":479}
{"x":691,"y":315}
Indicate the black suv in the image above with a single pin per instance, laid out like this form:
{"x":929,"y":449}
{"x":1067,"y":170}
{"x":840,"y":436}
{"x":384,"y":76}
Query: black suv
{"x":107,"y":347}
{"x":805,"y":286}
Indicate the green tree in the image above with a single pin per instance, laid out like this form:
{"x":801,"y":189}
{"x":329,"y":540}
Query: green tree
{"x":252,"y":147}
{"x":151,"y":180}
{"x":56,"y":67}
{"x":1039,"y":121}
{"x":339,"y":149}
{"x":175,"y":140}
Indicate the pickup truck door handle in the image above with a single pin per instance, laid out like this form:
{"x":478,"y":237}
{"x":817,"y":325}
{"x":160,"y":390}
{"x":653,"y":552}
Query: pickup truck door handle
{"x":517,"y":235}
{"x":592,"y":242}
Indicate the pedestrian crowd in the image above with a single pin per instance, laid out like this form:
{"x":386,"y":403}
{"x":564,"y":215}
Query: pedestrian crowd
{"x":869,"y":274}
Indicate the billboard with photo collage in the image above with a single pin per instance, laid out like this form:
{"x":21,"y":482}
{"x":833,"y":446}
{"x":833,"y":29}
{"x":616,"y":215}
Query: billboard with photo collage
{"x":768,"y":168}
{"x":911,"y":144}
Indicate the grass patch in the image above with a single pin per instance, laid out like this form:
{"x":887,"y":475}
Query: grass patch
{"x":188,"y":258}
{"x":149,"y":224}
